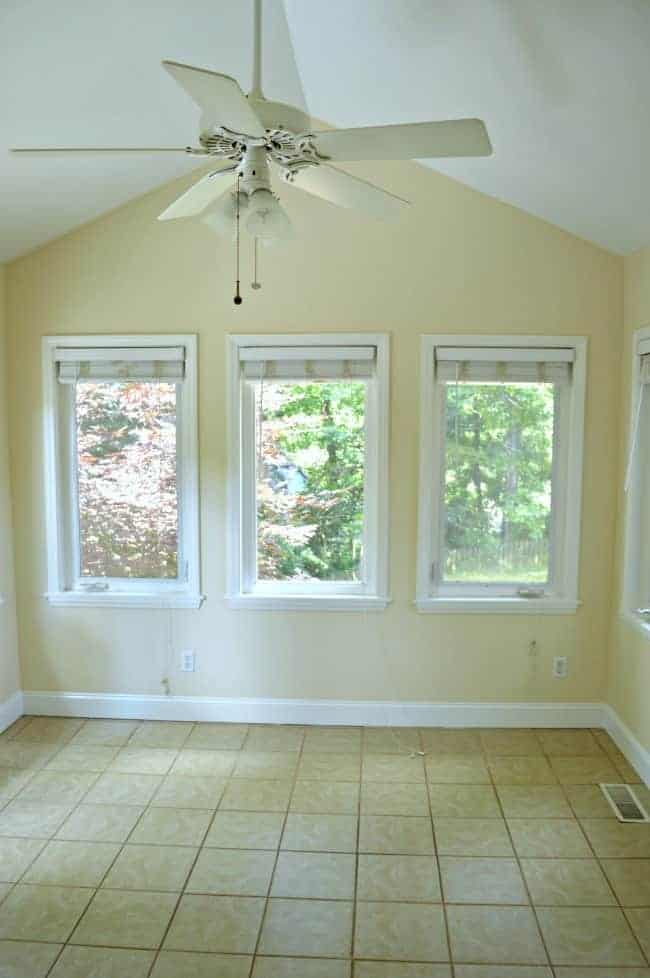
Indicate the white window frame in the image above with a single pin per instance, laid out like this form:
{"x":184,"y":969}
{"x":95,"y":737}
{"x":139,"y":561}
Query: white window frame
{"x":632,"y":545}
{"x":561,"y":596}
{"x":242,"y":589}
{"x":64,"y":586}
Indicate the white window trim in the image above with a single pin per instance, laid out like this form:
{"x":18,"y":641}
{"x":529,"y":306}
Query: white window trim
{"x":344,"y":596}
{"x":632,"y":502}
{"x":157,"y":594}
{"x":564,"y":600}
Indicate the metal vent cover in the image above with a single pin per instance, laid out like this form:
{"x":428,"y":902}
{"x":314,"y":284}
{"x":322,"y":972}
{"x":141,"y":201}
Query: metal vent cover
{"x":625,"y":803}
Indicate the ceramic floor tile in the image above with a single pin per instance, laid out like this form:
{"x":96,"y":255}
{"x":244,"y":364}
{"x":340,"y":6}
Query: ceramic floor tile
{"x":56,"y":788}
{"x":267,"y":765}
{"x":26,"y":756}
{"x":245,"y":830}
{"x":314,"y":928}
{"x":438,"y":740}
{"x":534,"y":801}
{"x":314,"y":875}
{"x":12,"y":780}
{"x":479,"y":880}
{"x":325,"y":797}
{"x":217,"y":736}
{"x":232,"y":872}
{"x":494,"y":935}
{"x":588,"y":801}
{"x":50,"y":912}
{"x":630,"y":879}
{"x":502,"y":971}
{"x":472,"y":837}
{"x":188,"y":964}
{"x":256,"y":796}
{"x":338,"y":740}
{"x":274,"y":737}
{"x":567,"y":882}
{"x":49,"y":729}
{"x":396,"y":878}
{"x":32,"y":821}
{"x":389,"y":969}
{"x":457,"y":769}
{"x":159,"y":733}
{"x":521,"y":770}
{"x":389,"y":768}
{"x":197,"y":763}
{"x":602,"y":972}
{"x":183,"y":791}
{"x":117,"y":918}
{"x":584,"y":770}
{"x":300,"y":968}
{"x":395,"y":834}
{"x":614,"y":838}
{"x":162,"y":868}
{"x":394,"y":799}
{"x":72,"y":863}
{"x":401,"y":932}
{"x":123,"y":789}
{"x":143,"y":760}
{"x":5,"y":890}
{"x":569,"y":742}
{"x":320,"y":833}
{"x":463,"y":801}
{"x":82,"y":758}
{"x":172,"y":827}
{"x":100,"y":823}
{"x":640,"y":923}
{"x":511,"y":742}
{"x":329,"y":767}
{"x":105,"y":733}
{"x":588,"y":936}
{"x":16,"y":855}
{"x":222,"y":924}
{"x":542,"y":837}
{"x":391,"y":740}
{"x":102,"y":962}
{"x":23,"y":960}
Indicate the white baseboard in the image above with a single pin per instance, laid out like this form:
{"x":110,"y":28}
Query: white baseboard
{"x":11,"y":709}
{"x":621,"y":734}
{"x":359,"y":712}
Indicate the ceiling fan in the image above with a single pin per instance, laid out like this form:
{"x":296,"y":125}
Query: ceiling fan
{"x":249,"y":132}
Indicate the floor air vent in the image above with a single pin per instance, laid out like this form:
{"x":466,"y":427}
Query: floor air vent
{"x":625,"y":803}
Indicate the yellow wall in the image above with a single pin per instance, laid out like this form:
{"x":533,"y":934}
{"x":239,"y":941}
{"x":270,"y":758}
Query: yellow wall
{"x":459,"y":262}
{"x":9,"y":677}
{"x":629,"y":673}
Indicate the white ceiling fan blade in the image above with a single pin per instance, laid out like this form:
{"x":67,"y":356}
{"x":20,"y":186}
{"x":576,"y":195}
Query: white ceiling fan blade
{"x":221,"y":99}
{"x":419,"y":140}
{"x":198,"y":197}
{"x":90,"y":150}
{"x":347,"y":191}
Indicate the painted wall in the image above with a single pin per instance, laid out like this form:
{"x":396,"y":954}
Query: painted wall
{"x":460,"y":262}
{"x":9,"y":673}
{"x":629,"y":670}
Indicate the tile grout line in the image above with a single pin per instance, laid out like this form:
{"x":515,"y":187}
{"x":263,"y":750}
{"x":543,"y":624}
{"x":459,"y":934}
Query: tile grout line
{"x":355,"y":894}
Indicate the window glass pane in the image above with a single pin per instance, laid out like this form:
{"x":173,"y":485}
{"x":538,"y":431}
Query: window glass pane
{"x":643,"y":442}
{"x":498,"y":459}
{"x":126,"y":470}
{"x":310,"y":442}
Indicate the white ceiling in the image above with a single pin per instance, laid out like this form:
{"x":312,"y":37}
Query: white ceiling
{"x":562,"y":85}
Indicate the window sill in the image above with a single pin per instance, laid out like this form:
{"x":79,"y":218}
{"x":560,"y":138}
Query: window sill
{"x":307,"y":602}
{"x":497,"y":606}
{"x":637,"y":623}
{"x":102,"y":599}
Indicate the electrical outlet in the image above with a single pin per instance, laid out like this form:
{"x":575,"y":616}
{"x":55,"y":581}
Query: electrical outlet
{"x":560,"y":667}
{"x":188,"y":661}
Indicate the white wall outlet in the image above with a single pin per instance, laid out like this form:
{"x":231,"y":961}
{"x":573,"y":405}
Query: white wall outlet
{"x":560,"y":667}
{"x":188,"y":661}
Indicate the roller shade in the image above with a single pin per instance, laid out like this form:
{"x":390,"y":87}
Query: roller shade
{"x":643,"y":394}
{"x":307,"y":362}
{"x":113,"y":363}
{"x":504,"y":365}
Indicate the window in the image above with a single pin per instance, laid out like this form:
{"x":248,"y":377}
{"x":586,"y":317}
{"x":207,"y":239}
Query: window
{"x":501,"y":446}
{"x":308,"y":456}
{"x":636,"y":576}
{"x":121,"y":479}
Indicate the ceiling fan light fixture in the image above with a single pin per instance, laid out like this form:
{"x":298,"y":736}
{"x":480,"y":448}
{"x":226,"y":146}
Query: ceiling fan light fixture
{"x":220,"y":218}
{"x":268,"y":220}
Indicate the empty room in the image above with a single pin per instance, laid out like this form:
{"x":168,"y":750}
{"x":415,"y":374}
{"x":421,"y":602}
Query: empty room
{"x":325,"y":489}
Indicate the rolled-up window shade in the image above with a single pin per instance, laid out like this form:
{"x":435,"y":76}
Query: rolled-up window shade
{"x":497,"y":364}
{"x":112,"y":363}
{"x":307,"y":362}
{"x":642,"y":395}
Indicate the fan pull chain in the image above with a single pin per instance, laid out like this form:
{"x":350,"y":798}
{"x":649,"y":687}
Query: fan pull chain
{"x":255,"y":284}
{"x":238,"y":299}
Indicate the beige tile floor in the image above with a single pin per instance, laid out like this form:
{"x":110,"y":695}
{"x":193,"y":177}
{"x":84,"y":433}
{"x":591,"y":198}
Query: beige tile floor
{"x":179,"y":850}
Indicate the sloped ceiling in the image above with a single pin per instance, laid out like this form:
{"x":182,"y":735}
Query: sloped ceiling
{"x":562,"y":85}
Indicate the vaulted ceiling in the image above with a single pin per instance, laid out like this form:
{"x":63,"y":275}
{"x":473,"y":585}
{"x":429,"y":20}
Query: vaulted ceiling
{"x":561,"y":84}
